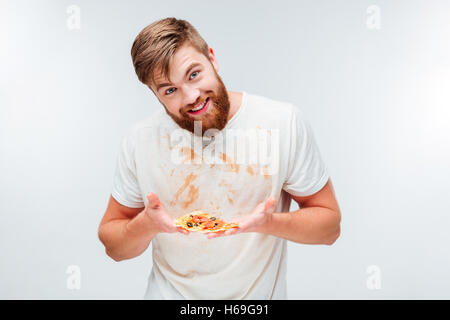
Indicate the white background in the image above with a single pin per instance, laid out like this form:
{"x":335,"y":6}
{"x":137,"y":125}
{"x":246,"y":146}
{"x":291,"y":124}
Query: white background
{"x":378,"y":101}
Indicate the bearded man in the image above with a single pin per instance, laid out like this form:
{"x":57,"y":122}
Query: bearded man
{"x":182,"y":159}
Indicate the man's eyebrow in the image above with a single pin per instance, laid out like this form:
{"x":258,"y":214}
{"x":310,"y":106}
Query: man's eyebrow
{"x":191,"y":66}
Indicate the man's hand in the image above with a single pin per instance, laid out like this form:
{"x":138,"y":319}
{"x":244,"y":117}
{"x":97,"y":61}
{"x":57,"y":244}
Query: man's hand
{"x":260,"y":216}
{"x":159,"y":217}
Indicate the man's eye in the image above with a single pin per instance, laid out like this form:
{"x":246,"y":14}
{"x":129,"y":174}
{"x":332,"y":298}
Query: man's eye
{"x":194,"y":73}
{"x":168,"y":91}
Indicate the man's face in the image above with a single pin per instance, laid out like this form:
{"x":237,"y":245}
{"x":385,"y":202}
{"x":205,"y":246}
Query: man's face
{"x":194,"y":82}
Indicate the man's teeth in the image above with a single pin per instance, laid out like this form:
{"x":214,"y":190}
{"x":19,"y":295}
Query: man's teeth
{"x":199,"y":107}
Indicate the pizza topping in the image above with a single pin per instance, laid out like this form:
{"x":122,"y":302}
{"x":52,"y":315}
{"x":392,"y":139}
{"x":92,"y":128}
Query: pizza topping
{"x":199,"y":219}
{"x":203,"y":222}
{"x":219,"y":224}
{"x":208,"y":225}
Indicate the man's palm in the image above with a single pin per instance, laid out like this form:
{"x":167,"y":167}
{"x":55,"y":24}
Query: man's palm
{"x":159,"y":216}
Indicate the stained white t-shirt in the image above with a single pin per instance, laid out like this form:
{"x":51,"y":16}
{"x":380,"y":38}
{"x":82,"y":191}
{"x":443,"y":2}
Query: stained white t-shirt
{"x":266,"y":149}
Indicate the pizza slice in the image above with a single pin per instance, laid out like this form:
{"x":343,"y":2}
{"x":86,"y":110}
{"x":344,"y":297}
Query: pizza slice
{"x":199,"y":221}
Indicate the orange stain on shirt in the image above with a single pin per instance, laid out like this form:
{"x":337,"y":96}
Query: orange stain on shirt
{"x":266,"y":172}
{"x":188,"y":153}
{"x":187,"y":181}
{"x":192,"y":196}
{"x":232,"y":166}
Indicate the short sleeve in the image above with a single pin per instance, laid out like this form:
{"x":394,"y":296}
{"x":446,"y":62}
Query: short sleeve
{"x":307,"y":172}
{"x":126,"y":188}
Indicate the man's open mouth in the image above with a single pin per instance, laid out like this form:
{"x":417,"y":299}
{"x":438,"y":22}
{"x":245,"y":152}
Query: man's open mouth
{"x":201,"y":108}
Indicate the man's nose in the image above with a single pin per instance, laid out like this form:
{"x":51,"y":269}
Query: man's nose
{"x":191,"y":95}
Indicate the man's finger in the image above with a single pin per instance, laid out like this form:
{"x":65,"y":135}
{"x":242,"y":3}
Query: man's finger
{"x":153,"y":201}
{"x":243,"y":225}
{"x":183,"y":231}
{"x":269,"y":206}
{"x":212,"y":235}
{"x":232,"y":231}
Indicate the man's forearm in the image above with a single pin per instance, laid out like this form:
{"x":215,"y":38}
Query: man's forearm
{"x":127,"y":238}
{"x":312,"y":225}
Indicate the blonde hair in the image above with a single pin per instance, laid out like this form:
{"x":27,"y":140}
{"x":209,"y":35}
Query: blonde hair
{"x":155,"y":45}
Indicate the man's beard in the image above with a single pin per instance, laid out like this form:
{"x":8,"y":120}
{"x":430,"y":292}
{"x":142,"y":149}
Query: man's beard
{"x":216,"y":117}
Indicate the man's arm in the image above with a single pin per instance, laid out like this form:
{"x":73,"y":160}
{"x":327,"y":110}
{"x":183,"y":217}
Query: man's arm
{"x":316,"y":222}
{"x":127,"y":232}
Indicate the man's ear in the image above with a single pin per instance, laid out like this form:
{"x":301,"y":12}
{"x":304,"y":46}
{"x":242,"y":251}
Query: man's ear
{"x":213,"y":60}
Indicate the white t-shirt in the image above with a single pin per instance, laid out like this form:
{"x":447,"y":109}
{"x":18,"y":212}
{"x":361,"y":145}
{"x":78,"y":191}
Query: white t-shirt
{"x":220,"y":176}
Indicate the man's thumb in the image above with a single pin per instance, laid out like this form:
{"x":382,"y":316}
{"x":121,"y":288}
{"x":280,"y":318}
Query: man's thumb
{"x":270,"y":204}
{"x":153,"y":201}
